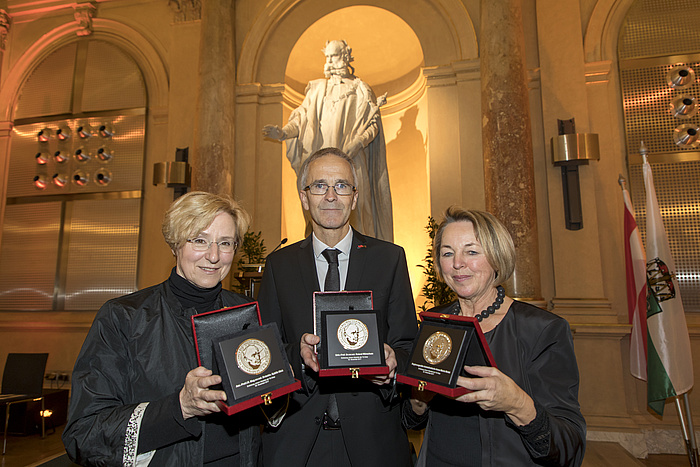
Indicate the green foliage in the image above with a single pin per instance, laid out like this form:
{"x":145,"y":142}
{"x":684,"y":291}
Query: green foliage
{"x":252,"y":249}
{"x":434,"y":290}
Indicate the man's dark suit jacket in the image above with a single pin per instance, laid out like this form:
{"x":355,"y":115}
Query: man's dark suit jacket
{"x":369,"y":414}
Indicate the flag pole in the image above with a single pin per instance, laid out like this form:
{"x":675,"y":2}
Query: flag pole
{"x":695,"y":462}
{"x":686,"y":429}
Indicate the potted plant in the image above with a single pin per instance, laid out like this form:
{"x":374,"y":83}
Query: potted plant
{"x":435,"y":291}
{"x":252,"y":252}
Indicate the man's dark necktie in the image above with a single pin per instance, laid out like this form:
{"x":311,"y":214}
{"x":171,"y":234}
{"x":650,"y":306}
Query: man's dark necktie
{"x":332,"y":283}
{"x":333,"y":275}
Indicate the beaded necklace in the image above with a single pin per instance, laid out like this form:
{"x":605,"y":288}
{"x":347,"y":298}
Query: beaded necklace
{"x":491,"y":309}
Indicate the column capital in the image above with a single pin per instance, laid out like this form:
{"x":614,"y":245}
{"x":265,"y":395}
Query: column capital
{"x":598,"y":72}
{"x":451,"y":74}
{"x":186,"y":10}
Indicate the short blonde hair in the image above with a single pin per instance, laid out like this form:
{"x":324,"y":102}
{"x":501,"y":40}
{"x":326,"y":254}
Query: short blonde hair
{"x":193,"y":212}
{"x":490,"y":232}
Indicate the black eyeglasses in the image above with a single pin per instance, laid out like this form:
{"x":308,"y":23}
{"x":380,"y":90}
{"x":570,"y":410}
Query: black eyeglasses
{"x":340,"y":188}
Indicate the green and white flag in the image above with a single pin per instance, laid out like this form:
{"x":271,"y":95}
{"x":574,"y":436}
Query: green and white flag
{"x":670,"y":366}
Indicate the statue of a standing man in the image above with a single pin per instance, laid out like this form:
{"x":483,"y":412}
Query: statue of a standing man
{"x":341,"y":111}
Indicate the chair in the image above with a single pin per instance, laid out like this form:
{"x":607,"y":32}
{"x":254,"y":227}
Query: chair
{"x":23,"y":381}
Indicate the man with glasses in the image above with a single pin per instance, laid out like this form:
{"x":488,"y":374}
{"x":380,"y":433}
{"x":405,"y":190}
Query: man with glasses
{"x":337,"y":421}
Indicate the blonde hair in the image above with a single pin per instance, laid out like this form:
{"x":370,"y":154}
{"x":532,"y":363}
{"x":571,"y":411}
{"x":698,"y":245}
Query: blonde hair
{"x":490,"y":232}
{"x":193,"y":212}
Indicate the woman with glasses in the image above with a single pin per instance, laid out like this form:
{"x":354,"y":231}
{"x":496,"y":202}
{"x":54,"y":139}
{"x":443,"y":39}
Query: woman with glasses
{"x":138,"y":396}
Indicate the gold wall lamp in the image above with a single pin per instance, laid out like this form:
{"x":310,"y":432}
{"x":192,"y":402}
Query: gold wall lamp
{"x":568,"y":152}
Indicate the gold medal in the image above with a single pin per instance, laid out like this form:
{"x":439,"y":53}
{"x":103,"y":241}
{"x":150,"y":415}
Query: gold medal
{"x":352,"y":334}
{"x":253,"y":356}
{"x":437,"y":348}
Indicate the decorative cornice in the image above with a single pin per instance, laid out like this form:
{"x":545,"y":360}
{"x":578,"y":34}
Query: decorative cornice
{"x":186,"y":10}
{"x":5,"y":21}
{"x":83,"y":14}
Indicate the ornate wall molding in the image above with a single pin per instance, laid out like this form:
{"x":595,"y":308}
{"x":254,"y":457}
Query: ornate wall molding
{"x":186,"y":10}
{"x":83,"y":14}
{"x":5,"y":21}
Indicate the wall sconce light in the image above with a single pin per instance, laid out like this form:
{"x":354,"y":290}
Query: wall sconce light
{"x":568,"y":152}
{"x":172,"y":173}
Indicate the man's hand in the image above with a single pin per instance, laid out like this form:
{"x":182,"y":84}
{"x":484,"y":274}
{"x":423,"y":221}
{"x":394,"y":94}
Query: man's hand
{"x":390,"y":358}
{"x":196,"y":398}
{"x":307,"y":350}
{"x":274,"y":132}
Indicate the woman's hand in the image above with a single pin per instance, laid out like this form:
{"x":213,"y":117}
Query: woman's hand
{"x":420,"y":399}
{"x":495,"y":391}
{"x":196,"y":398}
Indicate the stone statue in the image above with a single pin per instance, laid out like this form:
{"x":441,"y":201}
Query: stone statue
{"x":341,"y":111}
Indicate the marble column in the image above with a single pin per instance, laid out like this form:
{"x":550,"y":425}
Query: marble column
{"x":212,"y":161}
{"x":507,"y":138}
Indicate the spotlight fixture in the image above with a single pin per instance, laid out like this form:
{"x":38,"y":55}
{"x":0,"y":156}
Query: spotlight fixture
{"x":40,"y":182}
{"x":63,"y":133}
{"x":60,"y":180}
{"x":105,"y":131}
{"x":81,"y":156}
{"x":41,"y":158}
{"x":687,"y":136}
{"x":104,"y":154}
{"x":103,"y":177}
{"x":84,"y":132}
{"x":80,"y":178}
{"x":60,"y":157}
{"x":683,"y":107}
{"x":680,"y":76}
{"x":44,"y":135}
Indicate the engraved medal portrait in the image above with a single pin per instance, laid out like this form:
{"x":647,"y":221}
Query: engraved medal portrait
{"x":352,"y":334}
{"x":437,"y":348}
{"x":253,"y":356}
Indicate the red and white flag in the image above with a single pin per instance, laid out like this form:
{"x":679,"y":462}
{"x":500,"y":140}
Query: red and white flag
{"x":636,"y":275}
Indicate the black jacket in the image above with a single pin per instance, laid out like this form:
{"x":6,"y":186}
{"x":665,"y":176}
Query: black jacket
{"x":127,"y":379}
{"x":370,"y":415}
{"x":534,"y":348}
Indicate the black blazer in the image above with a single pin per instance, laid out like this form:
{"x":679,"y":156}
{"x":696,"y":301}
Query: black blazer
{"x":370,"y":415}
